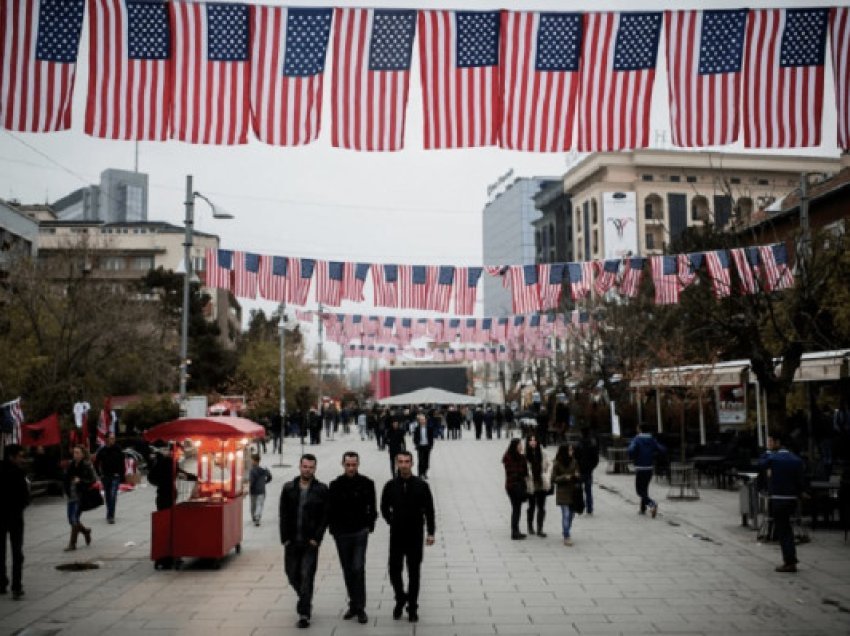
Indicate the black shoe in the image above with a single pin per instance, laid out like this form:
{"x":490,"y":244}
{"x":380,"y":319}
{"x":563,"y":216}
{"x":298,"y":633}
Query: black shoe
{"x":516,"y":536}
{"x":413,"y":616}
{"x":110,"y":521}
{"x":19,"y":594}
{"x":362,"y":618}
{"x":398,"y":609}
{"x":541,"y":534}
{"x":787,"y":567}
{"x":349,"y":615}
{"x":303,"y":622}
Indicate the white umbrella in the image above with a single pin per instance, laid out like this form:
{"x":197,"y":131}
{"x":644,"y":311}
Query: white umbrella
{"x":429,"y":395}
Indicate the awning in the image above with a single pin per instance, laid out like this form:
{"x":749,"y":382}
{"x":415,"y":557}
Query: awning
{"x":823,"y":366}
{"x":222,"y":428}
{"x":429,"y":396}
{"x":695,"y":375}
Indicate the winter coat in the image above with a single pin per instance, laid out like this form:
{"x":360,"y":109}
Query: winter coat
{"x":565,"y":478}
{"x":352,"y":504}
{"x":14,"y":491}
{"x":315,"y":520}
{"x":85,"y":472}
{"x":516,"y":469}
{"x":545,"y":475}
{"x":643,"y":449}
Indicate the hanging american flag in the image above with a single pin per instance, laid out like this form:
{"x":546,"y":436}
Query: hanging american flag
{"x":355,"y":277}
{"x":540,"y":56}
{"x":581,"y":278}
{"x":466,"y":289}
{"x":459,"y":63}
{"x":440,"y":294}
{"x":606,"y":275}
{"x":288,"y":49}
{"x":452,"y":330}
{"x":717,"y":264}
{"x":495,"y":270}
{"x":39,"y":40}
{"x":516,"y":328}
{"x":615,"y":86}
{"x":688,"y":264}
{"x":129,"y":93}
{"x":632,"y":274}
{"x":219,"y":268}
{"x":273,"y":282}
{"x":385,"y":284}
{"x":499,"y":330}
{"x":371,"y":77}
{"x":413,"y":286}
{"x":784,"y":76}
{"x":329,"y":280}
{"x":484,"y":330}
{"x":245,"y":274}
{"x":11,"y":421}
{"x":300,"y":276}
{"x":744,"y":261}
{"x":774,"y":267}
{"x":524,"y":292}
{"x":704,"y":59}
{"x":211,"y":72}
{"x":665,"y":277}
{"x":469,"y":329}
{"x":551,"y":284}
{"x":839,"y":30}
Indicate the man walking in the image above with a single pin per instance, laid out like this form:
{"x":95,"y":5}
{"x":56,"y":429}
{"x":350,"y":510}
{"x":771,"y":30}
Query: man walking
{"x":406,"y":504}
{"x":423,"y":438}
{"x":785,"y":483}
{"x":14,"y":497}
{"x":303,"y":519}
{"x":353,"y":511}
{"x":588,"y":460}
{"x":395,"y":442}
{"x":643,"y":450}
{"x":110,"y":462}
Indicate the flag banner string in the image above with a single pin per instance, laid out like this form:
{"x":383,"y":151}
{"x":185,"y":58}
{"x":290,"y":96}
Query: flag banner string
{"x":538,"y":81}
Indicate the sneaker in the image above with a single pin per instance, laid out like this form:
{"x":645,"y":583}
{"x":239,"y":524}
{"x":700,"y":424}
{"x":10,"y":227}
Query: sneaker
{"x":568,"y":541}
{"x":349,"y":615}
{"x":19,"y":594}
{"x":787,"y":567}
{"x":303,"y":622}
{"x":654,"y":511}
{"x":362,"y":617}
{"x":398,"y":609}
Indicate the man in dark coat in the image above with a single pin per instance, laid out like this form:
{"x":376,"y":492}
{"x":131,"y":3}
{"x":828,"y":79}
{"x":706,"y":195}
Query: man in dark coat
{"x":395,"y":441}
{"x":785,"y":485}
{"x":109,"y":460}
{"x":588,"y":460}
{"x":423,"y":435}
{"x":14,"y":497}
{"x":406,"y":504}
{"x":303,"y":518}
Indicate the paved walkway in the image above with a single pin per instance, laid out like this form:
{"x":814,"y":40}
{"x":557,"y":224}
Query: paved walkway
{"x":693,"y":570}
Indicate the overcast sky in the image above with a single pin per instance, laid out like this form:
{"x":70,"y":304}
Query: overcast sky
{"x":412,"y":206}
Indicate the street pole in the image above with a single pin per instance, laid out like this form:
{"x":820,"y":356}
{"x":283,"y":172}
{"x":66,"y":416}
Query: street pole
{"x":281,"y":327}
{"x":319,"y":373}
{"x":187,"y":279}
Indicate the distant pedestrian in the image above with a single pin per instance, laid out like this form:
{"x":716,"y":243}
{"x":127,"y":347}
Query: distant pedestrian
{"x":407,"y":505}
{"x":276,"y":429}
{"x":363,"y":426}
{"x":478,"y":421}
{"x":538,"y":483}
{"x":395,"y":442}
{"x":352,"y":514}
{"x":489,"y":421}
{"x":258,"y":477}
{"x":565,"y":474}
{"x":498,"y":421}
{"x":785,"y":484}
{"x":516,"y":486}
{"x":79,"y":477}
{"x":543,"y":427}
{"x":423,"y":435}
{"x":644,"y":449}
{"x":303,"y":518}
{"x":588,"y":460}
{"x":14,"y":498}
{"x":109,"y":460}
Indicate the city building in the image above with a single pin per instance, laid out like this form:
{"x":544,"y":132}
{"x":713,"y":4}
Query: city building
{"x":553,"y":231}
{"x":18,"y":237}
{"x":121,"y":197}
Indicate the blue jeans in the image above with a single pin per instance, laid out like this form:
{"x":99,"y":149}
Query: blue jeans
{"x":352,"y":558}
{"x":567,"y":520}
{"x":74,"y":512}
{"x":587,"y":480}
{"x":782,"y":511}
{"x":110,"y":493}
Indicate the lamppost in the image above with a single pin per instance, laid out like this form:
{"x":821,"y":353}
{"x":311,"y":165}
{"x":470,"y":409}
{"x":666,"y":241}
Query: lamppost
{"x":189,"y":222}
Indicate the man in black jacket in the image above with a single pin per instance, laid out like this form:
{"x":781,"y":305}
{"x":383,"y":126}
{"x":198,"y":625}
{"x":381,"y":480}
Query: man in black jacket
{"x":406,"y":504}
{"x":588,"y":460}
{"x":352,"y":515}
{"x":303,"y":519}
{"x":423,"y":435}
{"x":14,"y":497}
{"x":109,"y":460}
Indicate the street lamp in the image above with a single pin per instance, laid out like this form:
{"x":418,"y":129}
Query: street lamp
{"x":189,"y":222}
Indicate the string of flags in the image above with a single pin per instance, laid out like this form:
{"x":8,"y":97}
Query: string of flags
{"x":216,"y":72}
{"x":534,"y":288}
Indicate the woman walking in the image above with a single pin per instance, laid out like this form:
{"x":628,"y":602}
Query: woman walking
{"x":79,"y":477}
{"x":516,"y":469}
{"x":565,"y":474}
{"x":538,"y":483}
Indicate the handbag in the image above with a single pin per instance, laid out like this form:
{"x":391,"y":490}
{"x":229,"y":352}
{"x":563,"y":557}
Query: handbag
{"x":578,"y":498}
{"x":90,"y":498}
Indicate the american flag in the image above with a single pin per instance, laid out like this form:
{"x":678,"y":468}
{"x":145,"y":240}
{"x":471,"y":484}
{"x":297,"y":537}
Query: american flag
{"x":11,"y":420}
{"x":404,"y":331}
{"x":744,"y":261}
{"x":839,"y":29}
{"x":459,"y":62}
{"x":784,"y":77}
{"x":129,"y":94}
{"x":329,"y":282}
{"x":524,"y":292}
{"x":355,"y":277}
{"x":440,"y":294}
{"x":211,"y":72}
{"x":499,"y":330}
{"x":774,"y":267}
{"x":219,"y":264}
{"x":353,"y":326}
{"x":466,"y":289}
{"x":632,"y":274}
{"x":617,"y":73}
{"x":420,"y":328}
{"x":485,"y":330}
{"x":437,"y":328}
{"x":581,"y":278}
{"x":665,"y":277}
{"x":717,"y":264}
{"x":540,"y":56}
{"x":302,"y":315}
{"x":551,"y":284}
{"x":300,"y":276}
{"x":413,"y":285}
{"x":704,"y":59}
{"x":245,"y":274}
{"x":452,"y":330}
{"x":273,"y":281}
{"x":387,"y":328}
{"x":288,"y":48}
{"x":39,"y":40}
{"x":606,"y":275}
{"x":688,"y":264}
{"x":385,"y":284}
{"x":469,"y":329}
{"x":516,"y":328}
{"x":371,"y":77}
{"x":495,"y":270}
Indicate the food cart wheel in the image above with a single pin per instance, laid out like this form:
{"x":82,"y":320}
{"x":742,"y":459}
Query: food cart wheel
{"x":238,"y":548}
{"x":178,"y":563}
{"x":216,"y":564}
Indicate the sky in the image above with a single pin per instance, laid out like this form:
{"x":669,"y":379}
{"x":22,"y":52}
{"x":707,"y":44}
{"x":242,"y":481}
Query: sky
{"x":412,"y":206}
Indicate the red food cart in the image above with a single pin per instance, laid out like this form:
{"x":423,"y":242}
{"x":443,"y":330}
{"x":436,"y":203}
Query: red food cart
{"x":208,"y":523}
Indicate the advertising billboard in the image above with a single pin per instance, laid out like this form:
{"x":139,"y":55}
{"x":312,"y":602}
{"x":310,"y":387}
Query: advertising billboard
{"x":620,"y":227}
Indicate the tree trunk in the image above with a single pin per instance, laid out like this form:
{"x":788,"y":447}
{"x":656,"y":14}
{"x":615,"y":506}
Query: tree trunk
{"x":776,"y":396}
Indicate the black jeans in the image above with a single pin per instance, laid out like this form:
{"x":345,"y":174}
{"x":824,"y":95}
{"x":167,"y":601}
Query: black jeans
{"x":352,"y":558}
{"x":783,"y":510}
{"x":299,"y":562}
{"x":642,"y":479}
{"x":587,"y":481}
{"x":14,"y":527}
{"x":111,"y":484}
{"x":537,"y":500}
{"x":517,"y":497}
{"x":406,"y":546}
{"x":423,"y":454}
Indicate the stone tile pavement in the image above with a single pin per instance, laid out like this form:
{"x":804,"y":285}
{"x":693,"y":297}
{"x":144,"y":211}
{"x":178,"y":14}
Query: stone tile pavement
{"x":693,"y":570}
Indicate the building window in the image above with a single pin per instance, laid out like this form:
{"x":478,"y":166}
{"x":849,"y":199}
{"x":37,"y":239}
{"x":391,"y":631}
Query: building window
{"x":763,"y":182}
{"x":653,"y":207}
{"x":595,"y":241}
{"x":699,"y":208}
{"x":143,"y":263}
{"x":674,"y":178}
{"x":650,"y":241}
{"x":112,"y":264}
{"x":691,"y":179}
{"x":594,"y":213}
{"x":646,"y":177}
{"x":735,"y":181}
